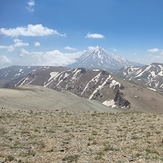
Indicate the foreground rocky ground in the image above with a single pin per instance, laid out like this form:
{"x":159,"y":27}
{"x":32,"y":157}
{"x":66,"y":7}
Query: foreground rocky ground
{"x":46,"y":136}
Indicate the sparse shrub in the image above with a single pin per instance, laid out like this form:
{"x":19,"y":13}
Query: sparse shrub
{"x":2,"y":131}
{"x":71,"y":158}
{"x":99,"y":155}
{"x":36,"y":130}
{"x":65,"y":142}
{"x":158,"y":132}
{"x":10,"y":158}
{"x":134,"y":137}
{"x":25,"y":132}
{"x":94,"y":143}
{"x":138,"y":155}
{"x":148,"y":151}
{"x":51,"y":131}
{"x":94,"y":133}
{"x":66,"y":131}
{"x":108,"y":148}
{"x":119,"y":129}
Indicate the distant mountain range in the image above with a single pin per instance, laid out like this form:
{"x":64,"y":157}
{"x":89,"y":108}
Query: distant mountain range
{"x":133,"y":86}
{"x":14,"y":72}
{"x":96,"y":85}
{"x":149,"y":75}
{"x":99,"y":58}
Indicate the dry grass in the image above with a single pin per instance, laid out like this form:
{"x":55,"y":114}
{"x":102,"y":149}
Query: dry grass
{"x":60,"y":136}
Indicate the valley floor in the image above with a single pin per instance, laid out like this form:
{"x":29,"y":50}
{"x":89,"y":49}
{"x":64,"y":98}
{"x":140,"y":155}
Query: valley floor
{"x":46,"y":136}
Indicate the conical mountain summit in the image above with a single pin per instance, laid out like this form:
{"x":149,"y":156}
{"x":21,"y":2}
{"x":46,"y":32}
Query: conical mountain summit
{"x":99,"y":58}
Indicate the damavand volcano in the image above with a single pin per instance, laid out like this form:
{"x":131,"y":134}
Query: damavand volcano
{"x":99,"y":58}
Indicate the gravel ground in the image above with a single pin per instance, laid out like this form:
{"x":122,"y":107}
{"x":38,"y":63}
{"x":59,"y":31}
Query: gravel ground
{"x":60,"y":136}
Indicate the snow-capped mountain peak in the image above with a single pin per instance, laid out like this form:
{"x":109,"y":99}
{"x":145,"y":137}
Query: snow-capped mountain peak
{"x":99,"y":58}
{"x":99,"y":49}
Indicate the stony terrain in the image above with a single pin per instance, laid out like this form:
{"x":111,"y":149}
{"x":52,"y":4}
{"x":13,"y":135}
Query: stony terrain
{"x":60,"y":136}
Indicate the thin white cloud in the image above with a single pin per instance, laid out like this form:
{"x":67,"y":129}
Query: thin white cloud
{"x":9,"y":48}
{"x":161,"y":52}
{"x":4,"y":47}
{"x":36,"y":44}
{"x":51,"y":58}
{"x":115,"y":50}
{"x":31,"y":3}
{"x":94,"y":35}
{"x":30,"y":7}
{"x":69,"y":48}
{"x":4,"y":61}
{"x":19,"y":43}
{"x":155,"y":57}
{"x":30,"y":30}
{"x":154,"y":50}
{"x":23,"y":53}
{"x":91,"y":47}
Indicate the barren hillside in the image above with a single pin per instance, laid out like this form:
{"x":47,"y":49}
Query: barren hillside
{"x":37,"y":97}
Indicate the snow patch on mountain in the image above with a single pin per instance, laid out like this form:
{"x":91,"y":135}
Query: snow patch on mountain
{"x":152,"y":89}
{"x":76,"y":71}
{"x":109,"y":103}
{"x":114,"y":83}
{"x":99,"y":87}
{"x":141,"y":72}
{"x":95,"y":79}
{"x":52,"y":75}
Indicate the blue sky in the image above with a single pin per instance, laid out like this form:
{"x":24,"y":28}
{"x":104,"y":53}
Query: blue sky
{"x":55,"y":32}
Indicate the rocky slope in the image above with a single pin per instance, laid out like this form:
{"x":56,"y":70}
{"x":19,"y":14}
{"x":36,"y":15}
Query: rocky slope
{"x":93,"y":85}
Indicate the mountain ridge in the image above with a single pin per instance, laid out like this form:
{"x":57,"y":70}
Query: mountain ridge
{"x":96,"y":85}
{"x":149,"y":75}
